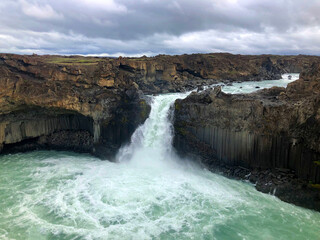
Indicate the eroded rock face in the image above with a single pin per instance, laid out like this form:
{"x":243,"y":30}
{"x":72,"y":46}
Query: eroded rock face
{"x":95,"y":104}
{"x":66,"y":103}
{"x":274,"y":128}
{"x":185,"y":72}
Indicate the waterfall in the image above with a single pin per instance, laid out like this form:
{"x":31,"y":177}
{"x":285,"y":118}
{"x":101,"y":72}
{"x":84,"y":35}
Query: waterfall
{"x":152,"y":141}
{"x":148,"y":195}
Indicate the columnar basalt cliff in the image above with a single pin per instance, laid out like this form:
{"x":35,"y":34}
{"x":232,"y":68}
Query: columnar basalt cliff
{"x":93,"y":105}
{"x":271,"y":137}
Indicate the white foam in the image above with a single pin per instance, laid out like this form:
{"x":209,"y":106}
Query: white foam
{"x":150,"y":194}
{"x":252,"y":86}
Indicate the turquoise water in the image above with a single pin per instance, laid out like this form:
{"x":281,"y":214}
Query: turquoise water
{"x":60,"y":195}
{"x":149,"y":194}
{"x":248,"y":87}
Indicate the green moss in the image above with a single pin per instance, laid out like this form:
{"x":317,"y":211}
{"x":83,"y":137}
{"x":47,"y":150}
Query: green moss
{"x":142,"y":103}
{"x":316,"y":186}
{"x":317,"y":162}
{"x":74,"y":60}
{"x":177,"y":106}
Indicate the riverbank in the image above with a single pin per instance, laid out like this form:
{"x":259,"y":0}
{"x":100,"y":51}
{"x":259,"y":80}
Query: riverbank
{"x":94,"y":105}
{"x":280,"y":182}
{"x":149,"y":193}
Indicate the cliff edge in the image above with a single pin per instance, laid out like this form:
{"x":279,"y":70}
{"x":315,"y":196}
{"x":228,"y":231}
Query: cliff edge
{"x":271,"y":137}
{"x":91,"y":104}
{"x":66,"y":103}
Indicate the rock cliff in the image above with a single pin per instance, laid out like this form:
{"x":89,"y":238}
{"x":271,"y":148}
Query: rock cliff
{"x":185,"y":72}
{"x":94,"y":104}
{"x":74,"y":103}
{"x":267,"y":134}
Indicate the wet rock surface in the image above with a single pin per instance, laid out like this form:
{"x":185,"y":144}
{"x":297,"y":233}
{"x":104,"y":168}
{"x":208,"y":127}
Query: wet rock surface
{"x":270,"y":129}
{"x":280,"y":182}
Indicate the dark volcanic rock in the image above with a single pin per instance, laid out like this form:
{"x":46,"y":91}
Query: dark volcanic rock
{"x":280,"y":182}
{"x":69,"y":103}
{"x":94,"y":104}
{"x":174,"y":73}
{"x":269,"y":129}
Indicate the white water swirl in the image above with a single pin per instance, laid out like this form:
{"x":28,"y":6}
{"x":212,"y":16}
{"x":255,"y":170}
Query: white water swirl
{"x":150,"y":194}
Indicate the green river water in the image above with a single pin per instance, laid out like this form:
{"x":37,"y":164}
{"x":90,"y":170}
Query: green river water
{"x":149,"y":194}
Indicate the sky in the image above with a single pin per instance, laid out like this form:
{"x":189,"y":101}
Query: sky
{"x":151,"y":27}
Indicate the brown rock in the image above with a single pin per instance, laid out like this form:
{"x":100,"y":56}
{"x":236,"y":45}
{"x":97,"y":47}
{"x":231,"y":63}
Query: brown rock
{"x":270,"y":129}
{"x":106,"y":82}
{"x":44,"y":97}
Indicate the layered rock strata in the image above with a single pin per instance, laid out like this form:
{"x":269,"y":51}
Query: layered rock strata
{"x":275,"y":130}
{"x":75,"y":104}
{"x":185,"y":72}
{"x":93,"y":105}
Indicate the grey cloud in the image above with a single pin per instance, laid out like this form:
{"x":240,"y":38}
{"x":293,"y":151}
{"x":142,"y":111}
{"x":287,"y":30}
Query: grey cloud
{"x":133,"y":27}
{"x":39,"y":11}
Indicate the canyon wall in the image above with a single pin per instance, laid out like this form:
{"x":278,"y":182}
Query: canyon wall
{"x":185,"y":72}
{"x":53,"y":102}
{"x":277,"y":128}
{"x":90,"y":104}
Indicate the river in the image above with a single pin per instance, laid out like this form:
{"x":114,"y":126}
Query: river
{"x":150,"y":193}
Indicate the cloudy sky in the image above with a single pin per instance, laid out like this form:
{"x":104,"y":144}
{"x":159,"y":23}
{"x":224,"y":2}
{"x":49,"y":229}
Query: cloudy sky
{"x":150,"y":27}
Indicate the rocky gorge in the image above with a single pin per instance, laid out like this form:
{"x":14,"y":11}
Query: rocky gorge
{"x":93,"y":105}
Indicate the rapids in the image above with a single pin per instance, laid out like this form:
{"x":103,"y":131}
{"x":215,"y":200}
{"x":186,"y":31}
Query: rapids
{"x":149,"y":194}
